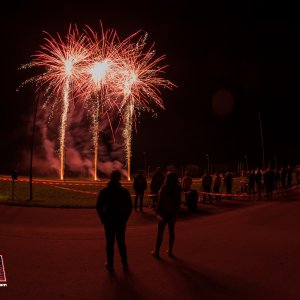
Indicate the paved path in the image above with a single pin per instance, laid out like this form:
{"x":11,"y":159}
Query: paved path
{"x":247,"y":253}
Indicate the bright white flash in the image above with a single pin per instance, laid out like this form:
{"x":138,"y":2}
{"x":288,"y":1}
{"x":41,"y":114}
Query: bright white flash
{"x":99,"y":70}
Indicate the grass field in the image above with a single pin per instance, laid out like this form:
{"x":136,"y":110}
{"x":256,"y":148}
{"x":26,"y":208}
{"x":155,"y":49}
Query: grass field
{"x":70,"y":193}
{"x":48,"y":195}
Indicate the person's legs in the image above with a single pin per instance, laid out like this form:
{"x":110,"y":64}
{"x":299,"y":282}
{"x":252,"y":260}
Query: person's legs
{"x":155,"y":198}
{"x":141,"y":201}
{"x":283,"y":186}
{"x":171,"y":225}
{"x":186,"y":196}
{"x":209,"y":195}
{"x":120,"y":236}
{"x":159,"y":238}
{"x":252,"y":191}
{"x":216,"y":191}
{"x":228,"y":191}
{"x":110,"y":242}
{"x":259,"y":191}
{"x":267,"y":191}
{"x":204,"y":195}
{"x":136,"y":201}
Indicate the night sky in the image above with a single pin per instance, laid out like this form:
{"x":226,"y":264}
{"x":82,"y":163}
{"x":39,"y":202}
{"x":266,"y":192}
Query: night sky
{"x":229,"y":61}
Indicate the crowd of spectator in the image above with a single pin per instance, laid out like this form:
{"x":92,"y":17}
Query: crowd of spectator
{"x":255,"y":183}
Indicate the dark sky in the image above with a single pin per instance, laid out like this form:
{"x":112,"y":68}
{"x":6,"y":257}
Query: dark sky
{"x":229,"y":61}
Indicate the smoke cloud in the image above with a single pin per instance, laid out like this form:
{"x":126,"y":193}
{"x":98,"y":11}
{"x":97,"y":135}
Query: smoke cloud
{"x":79,"y":151}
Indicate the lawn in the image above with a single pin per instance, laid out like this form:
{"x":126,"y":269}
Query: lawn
{"x":70,"y":193}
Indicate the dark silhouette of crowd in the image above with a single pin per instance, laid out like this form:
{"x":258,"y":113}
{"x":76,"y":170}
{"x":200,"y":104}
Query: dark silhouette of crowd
{"x":114,"y":204}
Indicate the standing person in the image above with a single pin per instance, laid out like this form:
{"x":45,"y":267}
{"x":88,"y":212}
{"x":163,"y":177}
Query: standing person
{"x":251,"y":182}
{"x":283,"y":180}
{"x":186,"y":185}
{"x":139,"y":186}
{"x":217,"y":186}
{"x":114,"y":207}
{"x":258,"y":177}
{"x":271,"y":182}
{"x":277,"y":178}
{"x":289,"y":176}
{"x":167,"y":209}
{"x":228,"y":184}
{"x":298,"y":175}
{"x":155,"y":185}
{"x":266,"y":177}
{"x":206,"y":186}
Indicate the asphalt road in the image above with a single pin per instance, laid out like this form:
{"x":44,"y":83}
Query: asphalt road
{"x":235,"y":250}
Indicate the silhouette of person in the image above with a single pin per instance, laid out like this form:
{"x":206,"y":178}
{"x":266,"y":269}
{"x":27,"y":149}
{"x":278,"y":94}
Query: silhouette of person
{"x":139,"y":186}
{"x":289,"y":176}
{"x":258,"y":177}
{"x":155,"y":185}
{"x":217,"y":185}
{"x":206,"y":186}
{"x":283,"y":173}
{"x":114,"y":207}
{"x":167,"y":209}
{"x":228,"y":183}
{"x":298,"y":175}
{"x":269,"y":182}
{"x":186,"y":185}
{"x":277,"y":178}
{"x":251,"y":182}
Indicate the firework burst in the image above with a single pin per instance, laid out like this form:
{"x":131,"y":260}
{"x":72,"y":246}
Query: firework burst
{"x":63,"y":62}
{"x":104,"y":72}
{"x":99,"y":79}
{"x":139,"y":82}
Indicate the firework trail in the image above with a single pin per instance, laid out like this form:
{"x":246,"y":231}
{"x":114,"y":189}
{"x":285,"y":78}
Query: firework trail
{"x":99,"y":80}
{"x":139,"y":80}
{"x":128,"y":132}
{"x":63,"y":62}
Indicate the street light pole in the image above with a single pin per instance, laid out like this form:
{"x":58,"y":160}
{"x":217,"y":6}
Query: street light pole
{"x":262,"y":141}
{"x":31,"y":148}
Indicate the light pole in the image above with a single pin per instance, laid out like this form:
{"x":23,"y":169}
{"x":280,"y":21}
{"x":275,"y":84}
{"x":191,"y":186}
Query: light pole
{"x":262,"y":141}
{"x":31,"y":148}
